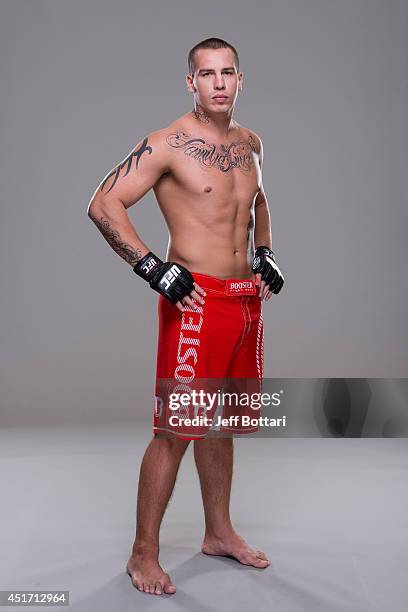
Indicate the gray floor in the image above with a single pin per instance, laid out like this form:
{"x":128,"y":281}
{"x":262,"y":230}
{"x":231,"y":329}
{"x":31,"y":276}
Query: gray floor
{"x":332,"y":514}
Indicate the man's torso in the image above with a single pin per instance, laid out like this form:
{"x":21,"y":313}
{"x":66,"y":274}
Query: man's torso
{"x":207,"y":198}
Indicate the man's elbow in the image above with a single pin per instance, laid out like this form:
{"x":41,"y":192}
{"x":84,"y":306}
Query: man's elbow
{"x":96,"y":208}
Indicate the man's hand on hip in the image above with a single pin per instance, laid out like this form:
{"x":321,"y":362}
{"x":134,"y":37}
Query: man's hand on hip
{"x":170,"y":279}
{"x":267,"y":273}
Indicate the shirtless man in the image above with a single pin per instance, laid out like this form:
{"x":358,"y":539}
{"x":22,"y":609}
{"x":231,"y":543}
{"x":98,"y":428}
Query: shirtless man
{"x":205,"y":170}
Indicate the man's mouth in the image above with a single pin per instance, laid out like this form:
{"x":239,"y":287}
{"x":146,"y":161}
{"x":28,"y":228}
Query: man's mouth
{"x":220,"y":98}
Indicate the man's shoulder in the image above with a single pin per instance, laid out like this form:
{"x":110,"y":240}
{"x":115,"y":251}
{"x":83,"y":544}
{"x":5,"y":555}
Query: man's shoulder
{"x":161,"y":134}
{"x":252,"y":137}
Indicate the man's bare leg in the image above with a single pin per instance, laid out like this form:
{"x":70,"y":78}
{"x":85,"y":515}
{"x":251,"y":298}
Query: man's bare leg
{"x":214,"y":460}
{"x":158,"y":473}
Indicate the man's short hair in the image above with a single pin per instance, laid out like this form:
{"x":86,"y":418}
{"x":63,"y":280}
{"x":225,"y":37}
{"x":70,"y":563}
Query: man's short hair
{"x":210,"y":43}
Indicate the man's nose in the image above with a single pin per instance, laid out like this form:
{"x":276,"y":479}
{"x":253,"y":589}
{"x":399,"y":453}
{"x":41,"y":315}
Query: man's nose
{"x":219,"y":82}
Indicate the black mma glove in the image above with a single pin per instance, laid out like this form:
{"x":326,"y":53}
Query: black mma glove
{"x":264,"y":264}
{"x":170,"y":279}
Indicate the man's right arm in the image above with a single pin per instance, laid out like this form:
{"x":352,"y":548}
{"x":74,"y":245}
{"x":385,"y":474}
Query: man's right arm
{"x":125,"y":185}
{"x":121,"y":188}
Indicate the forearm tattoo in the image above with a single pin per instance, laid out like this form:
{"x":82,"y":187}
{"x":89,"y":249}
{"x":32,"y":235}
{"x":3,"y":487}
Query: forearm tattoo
{"x":143,"y":148}
{"x":200,"y":114}
{"x":223,"y":157}
{"x":125,"y":250}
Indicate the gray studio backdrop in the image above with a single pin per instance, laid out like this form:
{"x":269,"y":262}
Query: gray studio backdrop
{"x":83,"y":81}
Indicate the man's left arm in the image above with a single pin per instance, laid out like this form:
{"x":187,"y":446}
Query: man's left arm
{"x":266,"y":270}
{"x":262,"y":232}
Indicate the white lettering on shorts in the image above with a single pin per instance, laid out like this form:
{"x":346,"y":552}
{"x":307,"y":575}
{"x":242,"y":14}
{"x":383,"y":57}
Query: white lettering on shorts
{"x":242,"y":285}
{"x":187,"y":355}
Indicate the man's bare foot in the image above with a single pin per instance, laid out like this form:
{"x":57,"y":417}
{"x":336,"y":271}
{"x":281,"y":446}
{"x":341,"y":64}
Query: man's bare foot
{"x":148,"y":576}
{"x":232,"y":545}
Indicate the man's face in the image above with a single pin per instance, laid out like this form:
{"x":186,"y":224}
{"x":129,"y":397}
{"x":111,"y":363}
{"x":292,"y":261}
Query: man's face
{"x":216,"y":82}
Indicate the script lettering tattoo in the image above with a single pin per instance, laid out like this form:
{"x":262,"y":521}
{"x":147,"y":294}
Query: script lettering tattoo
{"x":125,"y":250}
{"x":200,"y":114}
{"x":143,"y":148}
{"x":223,"y":157}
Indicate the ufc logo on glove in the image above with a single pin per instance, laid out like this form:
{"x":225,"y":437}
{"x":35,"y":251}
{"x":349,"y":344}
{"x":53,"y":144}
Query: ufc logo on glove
{"x":170,"y":276}
{"x":149,"y":265}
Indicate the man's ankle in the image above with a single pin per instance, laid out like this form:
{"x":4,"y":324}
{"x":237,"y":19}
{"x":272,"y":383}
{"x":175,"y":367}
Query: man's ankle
{"x":145,"y":549}
{"x":220,"y":531}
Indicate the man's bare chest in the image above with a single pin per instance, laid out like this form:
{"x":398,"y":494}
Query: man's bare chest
{"x":202,"y":165}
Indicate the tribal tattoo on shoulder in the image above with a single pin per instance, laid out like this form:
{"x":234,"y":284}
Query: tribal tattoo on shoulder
{"x":252,"y":143}
{"x":137,"y":153}
{"x":223,"y":157}
{"x":125,"y":250}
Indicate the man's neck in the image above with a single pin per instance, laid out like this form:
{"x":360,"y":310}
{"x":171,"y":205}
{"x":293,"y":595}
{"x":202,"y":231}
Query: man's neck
{"x":220,"y":123}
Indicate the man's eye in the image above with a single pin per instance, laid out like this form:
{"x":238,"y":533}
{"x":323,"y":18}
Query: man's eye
{"x":225,"y":72}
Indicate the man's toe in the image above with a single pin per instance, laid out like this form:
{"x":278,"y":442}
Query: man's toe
{"x":261,"y":555}
{"x":158,"y":588}
{"x":261,"y":562}
{"x":137,"y":584}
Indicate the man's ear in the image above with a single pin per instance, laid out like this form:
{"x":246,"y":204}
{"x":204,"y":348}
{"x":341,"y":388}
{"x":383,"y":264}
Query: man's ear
{"x":189,"y":82}
{"x":240,"y":80}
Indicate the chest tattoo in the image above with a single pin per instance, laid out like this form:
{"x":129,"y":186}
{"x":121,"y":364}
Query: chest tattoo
{"x":223,"y":157}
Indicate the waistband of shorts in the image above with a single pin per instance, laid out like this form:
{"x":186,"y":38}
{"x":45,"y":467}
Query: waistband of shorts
{"x":228,"y":287}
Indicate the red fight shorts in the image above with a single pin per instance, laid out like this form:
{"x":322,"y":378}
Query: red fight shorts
{"x":198,"y":349}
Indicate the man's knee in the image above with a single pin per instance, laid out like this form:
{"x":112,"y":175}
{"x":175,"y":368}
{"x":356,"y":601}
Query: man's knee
{"x":172,"y":441}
